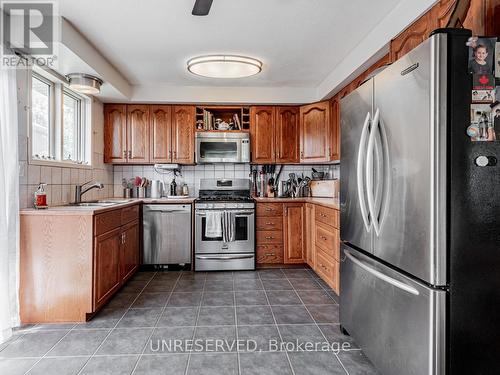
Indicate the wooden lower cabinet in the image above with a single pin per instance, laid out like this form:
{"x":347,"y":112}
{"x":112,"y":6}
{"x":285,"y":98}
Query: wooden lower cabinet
{"x":129,"y":254}
{"x":269,"y":254}
{"x":72,"y":264}
{"x":309,"y":234}
{"x":293,"y":228}
{"x":107,"y":275}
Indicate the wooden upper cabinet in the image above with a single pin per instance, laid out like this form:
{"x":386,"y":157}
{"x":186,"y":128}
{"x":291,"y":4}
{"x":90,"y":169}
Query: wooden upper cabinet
{"x":160,"y":134}
{"x":335,"y":128}
{"x":262,"y":134}
{"x":411,"y":37}
{"x":138,"y":133}
{"x":115,"y":133}
{"x":183,"y":124}
{"x":314,"y":124}
{"x":293,"y":232}
{"x":287,"y":135}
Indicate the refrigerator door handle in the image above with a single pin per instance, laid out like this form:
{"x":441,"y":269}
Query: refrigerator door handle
{"x":379,"y":275}
{"x":369,"y":172}
{"x":360,"y":182}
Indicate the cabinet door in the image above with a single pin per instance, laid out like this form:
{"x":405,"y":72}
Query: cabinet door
{"x":309,"y":234}
{"x":160,"y":134}
{"x":106,"y":266}
{"x":293,"y":229}
{"x":129,"y":255}
{"x":287,"y":135}
{"x":314,"y":124}
{"x":115,"y":133}
{"x":334,"y":129}
{"x":138,"y":133}
{"x":262,"y":134}
{"x":183,"y":123}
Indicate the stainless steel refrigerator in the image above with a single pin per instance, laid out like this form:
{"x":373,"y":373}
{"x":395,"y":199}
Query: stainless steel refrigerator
{"x":420,"y":227}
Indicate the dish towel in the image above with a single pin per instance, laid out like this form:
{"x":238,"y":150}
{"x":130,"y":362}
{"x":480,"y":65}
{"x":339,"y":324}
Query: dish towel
{"x":228,"y":226}
{"x":213,"y":226}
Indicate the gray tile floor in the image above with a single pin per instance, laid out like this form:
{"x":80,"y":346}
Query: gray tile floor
{"x":289,"y":317}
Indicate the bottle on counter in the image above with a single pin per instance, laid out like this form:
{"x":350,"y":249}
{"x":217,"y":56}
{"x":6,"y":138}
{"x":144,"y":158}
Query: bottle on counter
{"x":40,"y":196}
{"x":185,"y":190}
{"x":173,"y":188}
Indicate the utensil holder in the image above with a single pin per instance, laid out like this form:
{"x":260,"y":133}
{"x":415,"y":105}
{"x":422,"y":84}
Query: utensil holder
{"x":140,"y":192}
{"x":127,"y":193}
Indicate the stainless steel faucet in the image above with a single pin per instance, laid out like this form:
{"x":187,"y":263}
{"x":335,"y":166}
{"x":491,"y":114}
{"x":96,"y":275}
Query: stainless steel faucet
{"x":79,"y":192}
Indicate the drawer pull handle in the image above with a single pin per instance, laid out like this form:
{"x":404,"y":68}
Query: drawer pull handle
{"x":269,"y":209}
{"x":269,"y":254}
{"x":269,"y":223}
{"x":269,"y":238}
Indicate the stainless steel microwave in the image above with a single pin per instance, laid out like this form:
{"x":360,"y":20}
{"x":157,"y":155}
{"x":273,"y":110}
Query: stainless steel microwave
{"x":222,"y":147}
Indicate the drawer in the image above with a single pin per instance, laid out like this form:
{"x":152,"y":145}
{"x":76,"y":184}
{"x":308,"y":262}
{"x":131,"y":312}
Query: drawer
{"x":130,"y":213}
{"x":327,"y":239}
{"x":270,"y":254}
{"x":269,"y":237}
{"x":270,"y":223}
{"x":107,"y":221}
{"x":327,"y":216}
{"x":326,"y":268}
{"x":269,"y":209}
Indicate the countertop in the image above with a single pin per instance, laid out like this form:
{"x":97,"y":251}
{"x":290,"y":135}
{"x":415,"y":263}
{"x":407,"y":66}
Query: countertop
{"x":327,"y":202}
{"x":92,"y":210}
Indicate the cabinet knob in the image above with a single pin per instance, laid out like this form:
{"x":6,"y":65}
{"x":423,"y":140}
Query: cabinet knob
{"x":323,"y":238}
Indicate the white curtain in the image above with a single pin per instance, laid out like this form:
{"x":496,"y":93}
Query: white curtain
{"x":9,"y":204}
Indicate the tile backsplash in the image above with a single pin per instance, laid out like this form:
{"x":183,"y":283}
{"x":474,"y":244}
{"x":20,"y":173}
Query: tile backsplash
{"x":191,"y":175}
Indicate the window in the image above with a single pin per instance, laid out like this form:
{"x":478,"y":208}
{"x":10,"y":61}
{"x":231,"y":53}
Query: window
{"x":59,"y":123}
{"x":40,"y":116}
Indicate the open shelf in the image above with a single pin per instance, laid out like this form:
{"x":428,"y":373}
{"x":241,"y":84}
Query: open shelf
{"x":237,"y":116}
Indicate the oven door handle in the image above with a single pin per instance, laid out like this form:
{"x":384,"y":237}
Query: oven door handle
{"x":216,"y":257}
{"x":239,"y":213}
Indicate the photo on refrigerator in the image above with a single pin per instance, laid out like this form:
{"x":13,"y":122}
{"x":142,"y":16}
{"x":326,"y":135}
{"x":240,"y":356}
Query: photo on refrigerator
{"x":481,"y":127}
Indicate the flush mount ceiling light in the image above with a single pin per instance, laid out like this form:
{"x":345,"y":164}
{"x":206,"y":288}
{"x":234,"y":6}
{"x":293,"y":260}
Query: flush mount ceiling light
{"x":224,"y":66}
{"x":84,"y":83}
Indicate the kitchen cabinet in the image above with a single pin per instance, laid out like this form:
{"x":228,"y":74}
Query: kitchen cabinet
{"x":293,"y":232}
{"x":138,"y":134}
{"x":183,"y":123}
{"x":262,"y":134}
{"x":129,"y":255}
{"x":314,"y":130}
{"x":287,"y":135}
{"x":73,"y":262}
{"x":148,"y":134}
{"x":309,"y":234}
{"x":274,"y":133}
{"x":160,"y":134}
{"x":334,"y":134}
{"x":115,"y":133}
{"x":107,"y":265}
{"x":269,"y":233}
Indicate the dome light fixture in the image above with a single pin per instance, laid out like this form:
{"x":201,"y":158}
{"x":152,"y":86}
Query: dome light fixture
{"x":224,"y":66}
{"x":84,"y":83}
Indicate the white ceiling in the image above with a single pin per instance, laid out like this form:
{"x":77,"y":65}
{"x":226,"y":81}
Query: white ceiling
{"x":300,"y":42}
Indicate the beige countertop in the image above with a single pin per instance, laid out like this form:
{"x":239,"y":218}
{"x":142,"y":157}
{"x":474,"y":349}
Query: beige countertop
{"x":327,"y":202}
{"x":92,"y":210}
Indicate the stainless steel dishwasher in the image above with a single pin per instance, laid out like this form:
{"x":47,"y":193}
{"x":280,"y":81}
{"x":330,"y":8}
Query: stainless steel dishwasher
{"x":167,"y":234}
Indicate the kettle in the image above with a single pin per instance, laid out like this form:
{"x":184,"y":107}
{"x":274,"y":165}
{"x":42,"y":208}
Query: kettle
{"x":156,"y":189}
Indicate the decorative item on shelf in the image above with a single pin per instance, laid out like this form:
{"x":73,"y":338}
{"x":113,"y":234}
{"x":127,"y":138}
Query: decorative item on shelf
{"x":40,"y":196}
{"x":199,"y":125}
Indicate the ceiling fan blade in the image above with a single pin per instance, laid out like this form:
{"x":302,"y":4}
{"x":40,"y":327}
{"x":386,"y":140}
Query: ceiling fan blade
{"x":201,"y":7}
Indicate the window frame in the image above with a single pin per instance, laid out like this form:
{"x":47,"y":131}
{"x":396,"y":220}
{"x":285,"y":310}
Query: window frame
{"x":59,"y":88}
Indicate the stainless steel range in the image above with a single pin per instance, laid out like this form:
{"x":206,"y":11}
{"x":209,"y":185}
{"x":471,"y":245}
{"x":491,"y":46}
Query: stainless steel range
{"x":224,"y":226}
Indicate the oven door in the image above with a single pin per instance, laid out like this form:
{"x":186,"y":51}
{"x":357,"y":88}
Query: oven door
{"x":218,"y":150}
{"x":244,"y":234}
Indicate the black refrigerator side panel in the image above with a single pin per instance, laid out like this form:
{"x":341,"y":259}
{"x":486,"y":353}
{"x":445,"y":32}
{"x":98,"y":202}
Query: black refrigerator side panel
{"x":474,"y":233}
